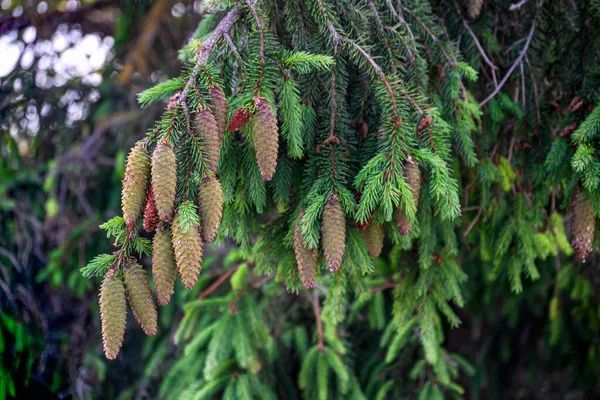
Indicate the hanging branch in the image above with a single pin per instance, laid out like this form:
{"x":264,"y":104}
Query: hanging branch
{"x":261,"y":51}
{"x":337,"y":39}
{"x":381,"y":30}
{"x":512,"y":67}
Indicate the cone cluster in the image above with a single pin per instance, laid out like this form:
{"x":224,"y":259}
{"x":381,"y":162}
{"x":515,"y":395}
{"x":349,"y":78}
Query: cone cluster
{"x":584,"y":225}
{"x":266,"y":138}
{"x":140,"y":297}
{"x":219,"y":108}
{"x":151,"y":218}
{"x":413,"y":177}
{"x":164,"y":270}
{"x":373,"y":237}
{"x":135,"y":184}
{"x":113,"y":314}
{"x":333,"y":232}
{"x":164,"y":177}
{"x":210,"y":201}
{"x":306,"y":258}
{"x":188,"y":249}
{"x":238,"y":120}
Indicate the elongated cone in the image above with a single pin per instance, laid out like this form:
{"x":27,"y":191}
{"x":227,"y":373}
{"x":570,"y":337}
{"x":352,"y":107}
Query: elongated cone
{"x":266,"y":138}
{"x":140,"y":298}
{"x":206,"y":126}
{"x":413,"y":177}
{"x":135,"y":184}
{"x":306,"y":258}
{"x":188,"y":248}
{"x":238,"y":120}
{"x":210,"y":200}
{"x":333,"y":232}
{"x":164,"y":178}
{"x":113,"y":314}
{"x":473,"y":8}
{"x":584,"y":225}
{"x":164,"y":270}
{"x":151,"y":218}
{"x":219,"y":108}
{"x":373,"y":237}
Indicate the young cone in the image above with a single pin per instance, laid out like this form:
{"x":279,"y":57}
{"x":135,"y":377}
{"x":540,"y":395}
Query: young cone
{"x":373,"y":237}
{"x":219,"y":108}
{"x":187,"y":245}
{"x":306,"y":258}
{"x":473,"y":8}
{"x":113,"y":314}
{"x":266,"y":138}
{"x":334,"y":233}
{"x":164,"y":176}
{"x":413,"y":177}
{"x":584,"y":225}
{"x":206,"y":126}
{"x":210,"y":200}
{"x":151,"y":218}
{"x":238,"y":120}
{"x":140,"y":297}
{"x":135,"y":184}
{"x":164,"y":270}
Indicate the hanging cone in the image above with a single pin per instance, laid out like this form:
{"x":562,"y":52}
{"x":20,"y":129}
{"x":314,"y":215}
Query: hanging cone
{"x":206,"y":127}
{"x":113,"y":314}
{"x":373,"y":237}
{"x":306,"y":258}
{"x":413,"y":177}
{"x":210,"y":200}
{"x":219,"y":108}
{"x":473,"y":8}
{"x":164,"y":270}
{"x":238,"y":120}
{"x":135,"y":184}
{"x":266,"y":138}
{"x":140,"y":297}
{"x":151,"y":218}
{"x":334,"y":233}
{"x":584,"y":225}
{"x":164,"y":178}
{"x":188,"y":249}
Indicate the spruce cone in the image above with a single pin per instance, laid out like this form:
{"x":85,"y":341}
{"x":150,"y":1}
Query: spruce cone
{"x":164,"y":270}
{"x":413,"y":177}
{"x":334,"y":233}
{"x":473,"y":8}
{"x":306,"y":258}
{"x":266,"y":138}
{"x":239,"y":119}
{"x":140,"y":297}
{"x":373,"y":237}
{"x":151,"y":218}
{"x":219,"y":107}
{"x":187,"y":245}
{"x":206,"y":127}
{"x":113,"y":314}
{"x":584,"y":225}
{"x":210,"y":199}
{"x":164,"y":178}
{"x":135,"y":184}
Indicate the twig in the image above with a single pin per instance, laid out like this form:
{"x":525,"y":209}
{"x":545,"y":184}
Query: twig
{"x":472,"y":224}
{"x":512,"y":67}
{"x":234,"y":49}
{"x":381,"y":30}
{"x":261,"y":51}
{"x":518,"y":5}
{"x":337,"y":39}
{"x":215,"y":285}
{"x":387,"y":285}
{"x":535,"y":92}
{"x":317,"y":311}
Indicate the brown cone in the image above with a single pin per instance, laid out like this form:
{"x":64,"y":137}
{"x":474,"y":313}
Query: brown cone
{"x":584,"y":225}
{"x":188,"y":249}
{"x":306,"y":258}
{"x":333,"y":233}
{"x":266,"y":138}
{"x":206,"y":127}
{"x":113,"y":314}
{"x":473,"y":8}
{"x":413,"y":177}
{"x":238,"y":120}
{"x":140,"y":297}
{"x":219,"y":108}
{"x":151,"y":218}
{"x":210,"y":200}
{"x":164,"y":178}
{"x":164,"y":270}
{"x":135,"y":184}
{"x":373,"y":237}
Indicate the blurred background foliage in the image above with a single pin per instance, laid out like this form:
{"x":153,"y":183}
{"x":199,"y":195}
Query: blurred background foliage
{"x":69,"y":74}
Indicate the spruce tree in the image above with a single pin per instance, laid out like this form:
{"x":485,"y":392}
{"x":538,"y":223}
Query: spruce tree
{"x":366,"y":159}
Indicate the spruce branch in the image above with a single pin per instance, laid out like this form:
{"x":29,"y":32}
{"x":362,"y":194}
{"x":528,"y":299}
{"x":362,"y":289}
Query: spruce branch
{"x":337,"y":39}
{"x":261,"y":50}
{"x":519,"y":59}
{"x":381,"y":30}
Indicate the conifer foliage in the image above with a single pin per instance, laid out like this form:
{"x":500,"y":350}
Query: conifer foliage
{"x":341,"y":147}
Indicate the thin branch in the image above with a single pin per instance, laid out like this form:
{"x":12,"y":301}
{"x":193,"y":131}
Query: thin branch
{"x":381,"y":30}
{"x":317,"y":311}
{"x":337,"y":39}
{"x":261,"y":51}
{"x":472,"y":224}
{"x":512,"y":67}
{"x":518,"y":5}
{"x":215,"y":285}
